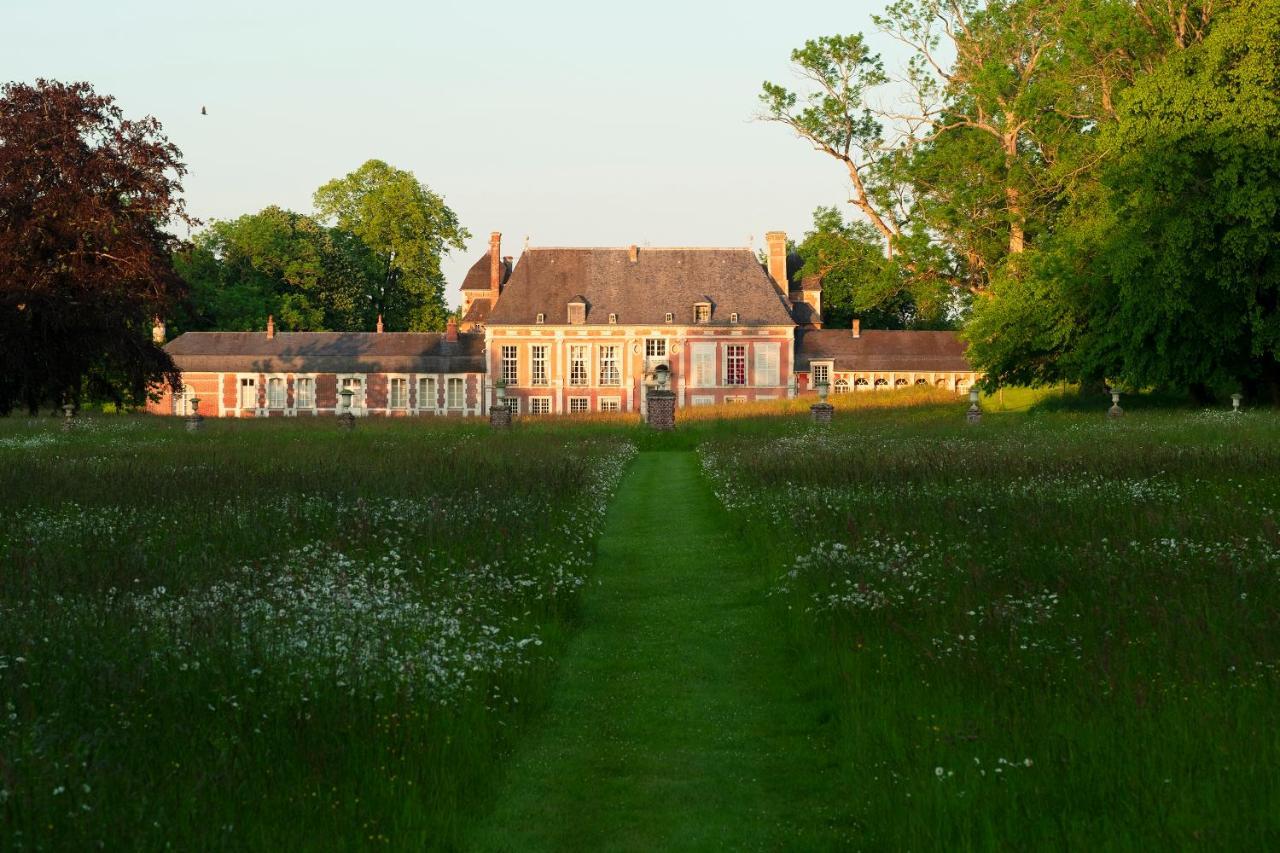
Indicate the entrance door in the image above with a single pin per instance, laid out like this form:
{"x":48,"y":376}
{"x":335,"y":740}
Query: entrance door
{"x":248,"y":393}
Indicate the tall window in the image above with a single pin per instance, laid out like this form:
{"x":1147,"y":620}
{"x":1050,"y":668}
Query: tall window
{"x":655,"y":347}
{"x":509,"y":365}
{"x":821,"y":374}
{"x":702,"y":313}
{"x":427,"y":392}
{"x":766,"y":364}
{"x":704,"y":365}
{"x":538,"y":360}
{"x":579,"y":405}
{"x":735,"y":365}
{"x":248,"y":394}
{"x":609,"y":373}
{"x":356,"y":386}
{"x":578,"y":364}
{"x":304,"y":392}
{"x":539,"y":405}
{"x":399,"y":393}
{"x":454,"y":392}
{"x":275,"y":393}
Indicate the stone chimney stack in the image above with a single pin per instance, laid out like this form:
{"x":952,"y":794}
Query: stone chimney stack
{"x":379,"y":324}
{"x":857,"y":327}
{"x":495,"y":267}
{"x":633,"y":252}
{"x":777,"y":242}
{"x":451,"y":331}
{"x":157,"y":330}
{"x":271,"y":327}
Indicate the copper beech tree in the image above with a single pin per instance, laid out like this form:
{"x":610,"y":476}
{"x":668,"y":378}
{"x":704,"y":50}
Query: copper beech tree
{"x":87,"y":198}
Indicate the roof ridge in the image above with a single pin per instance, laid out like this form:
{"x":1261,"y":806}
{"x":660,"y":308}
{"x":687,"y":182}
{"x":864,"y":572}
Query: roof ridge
{"x":641,"y":248}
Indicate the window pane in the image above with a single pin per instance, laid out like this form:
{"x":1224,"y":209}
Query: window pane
{"x":609,"y":373}
{"x":426,"y":393}
{"x":538,"y":360}
{"x":736,"y":365}
{"x":577,"y":365}
{"x":304,"y":393}
{"x":509,"y":365}
{"x":455,"y":393}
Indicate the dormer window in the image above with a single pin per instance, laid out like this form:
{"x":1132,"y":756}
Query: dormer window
{"x":702,"y":312}
{"x":733,"y":317}
{"x":542,"y":318}
{"x":669,"y":318}
{"x":577,"y":312}
{"x":613,"y":319}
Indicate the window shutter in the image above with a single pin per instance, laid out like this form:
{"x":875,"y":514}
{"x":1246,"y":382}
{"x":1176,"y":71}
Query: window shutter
{"x":766,"y":364}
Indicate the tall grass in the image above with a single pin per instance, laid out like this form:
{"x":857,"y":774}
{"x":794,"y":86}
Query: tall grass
{"x":274,"y":634}
{"x":1040,"y":632}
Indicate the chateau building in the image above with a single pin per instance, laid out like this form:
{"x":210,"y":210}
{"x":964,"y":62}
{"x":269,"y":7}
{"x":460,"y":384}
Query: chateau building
{"x":573,"y":330}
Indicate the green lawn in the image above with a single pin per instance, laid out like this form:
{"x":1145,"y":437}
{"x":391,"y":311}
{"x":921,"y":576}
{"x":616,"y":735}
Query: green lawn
{"x":678,"y":721}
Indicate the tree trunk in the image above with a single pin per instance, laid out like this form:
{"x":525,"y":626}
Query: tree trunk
{"x":1013,"y":196}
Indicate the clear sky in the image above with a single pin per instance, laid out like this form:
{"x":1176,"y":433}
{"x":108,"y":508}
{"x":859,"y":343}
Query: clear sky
{"x":571,"y":123}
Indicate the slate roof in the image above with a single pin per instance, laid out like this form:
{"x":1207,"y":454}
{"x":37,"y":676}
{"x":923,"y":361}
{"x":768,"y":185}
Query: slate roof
{"x":478,"y":276}
{"x":328,"y":352}
{"x":478,"y":312}
{"x":659,"y":281}
{"x":881,"y":350}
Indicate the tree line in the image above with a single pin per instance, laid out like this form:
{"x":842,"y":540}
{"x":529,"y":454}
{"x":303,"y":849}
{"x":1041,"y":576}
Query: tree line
{"x":1090,"y":188}
{"x":89,"y":202}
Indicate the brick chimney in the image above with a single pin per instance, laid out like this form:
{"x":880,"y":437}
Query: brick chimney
{"x":451,"y":331}
{"x":379,"y":324}
{"x":157,"y":330}
{"x":495,"y":267}
{"x":777,"y":242}
{"x":271,"y":327}
{"x":857,"y":327}
{"x":633,"y":252}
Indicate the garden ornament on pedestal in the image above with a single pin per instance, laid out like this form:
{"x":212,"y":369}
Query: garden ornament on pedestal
{"x":347,"y":420}
{"x":974,"y":415}
{"x":195,"y":421}
{"x":1235,"y":403}
{"x":68,"y":416}
{"x":1115,"y":411}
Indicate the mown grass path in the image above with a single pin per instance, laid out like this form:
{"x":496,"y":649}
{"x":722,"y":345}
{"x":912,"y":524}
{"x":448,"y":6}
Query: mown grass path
{"x":677,"y":722}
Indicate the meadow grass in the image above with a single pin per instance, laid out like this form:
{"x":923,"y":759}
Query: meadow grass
{"x":275,"y":635}
{"x":1047,"y":630}
{"x":1037,"y":632}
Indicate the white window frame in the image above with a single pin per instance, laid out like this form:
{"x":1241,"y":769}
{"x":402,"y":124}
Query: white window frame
{"x":434,"y":402}
{"x":284,"y":392}
{"x":513,"y":405}
{"x":462,"y":393}
{"x":728,"y":376}
{"x":609,"y":404}
{"x":768,"y":364}
{"x":613,"y":319}
{"x":513,"y":363}
{"x":299,"y":378}
{"x":733,"y":317}
{"x":536,"y":362}
{"x":736,"y":398}
{"x":655,"y":344}
{"x":703,"y":357}
{"x":669,"y":317}
{"x":541,"y":318}
{"x":391,"y":380}
{"x":701,"y":313}
{"x":539,"y":405}
{"x":358,"y":406}
{"x":610,"y":379}
{"x":702,"y":400}
{"x":579,"y":405}
{"x":817,"y":367}
{"x":579,"y":368}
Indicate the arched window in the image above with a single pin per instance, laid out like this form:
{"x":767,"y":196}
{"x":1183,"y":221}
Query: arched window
{"x":882,"y":383}
{"x":901,"y":383}
{"x":860,"y":382}
{"x":961,"y":385}
{"x":842,"y":386}
{"x":922,"y":381}
{"x":941,"y":383}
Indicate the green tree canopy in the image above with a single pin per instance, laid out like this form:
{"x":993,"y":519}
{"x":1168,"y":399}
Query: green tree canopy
{"x":408,"y":228}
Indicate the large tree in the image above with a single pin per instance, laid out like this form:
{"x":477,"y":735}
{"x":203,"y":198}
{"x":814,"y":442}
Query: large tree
{"x":1171,"y":275}
{"x":408,"y":227}
{"x":86,"y":200}
{"x":283,"y":263}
